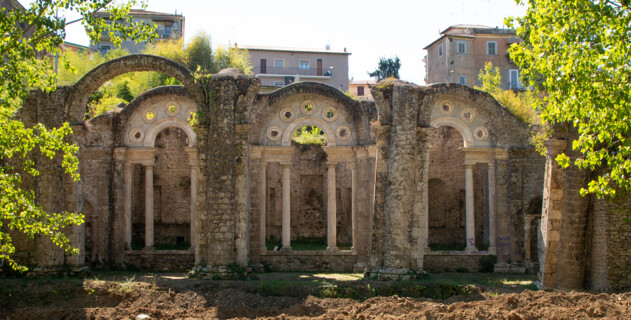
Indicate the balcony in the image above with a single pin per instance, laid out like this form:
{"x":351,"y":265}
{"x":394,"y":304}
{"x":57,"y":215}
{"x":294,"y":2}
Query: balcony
{"x":315,"y":72}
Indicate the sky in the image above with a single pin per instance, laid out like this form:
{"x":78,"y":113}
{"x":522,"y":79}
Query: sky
{"x":369,"y":29}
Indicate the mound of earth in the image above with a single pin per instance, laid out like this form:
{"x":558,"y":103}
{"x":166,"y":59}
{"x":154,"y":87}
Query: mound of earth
{"x":93,"y":299}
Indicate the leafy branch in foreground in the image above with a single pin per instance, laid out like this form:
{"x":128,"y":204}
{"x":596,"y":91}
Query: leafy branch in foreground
{"x":32,"y":36}
{"x":578,"y":53}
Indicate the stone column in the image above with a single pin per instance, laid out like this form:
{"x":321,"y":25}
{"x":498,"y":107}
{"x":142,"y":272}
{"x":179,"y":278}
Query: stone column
{"x":331,"y":208}
{"x":263,"y":204}
{"x":194,"y":231}
{"x":286,"y":219}
{"x":354,"y":206}
{"x":149,"y":205}
{"x":492,"y":211}
{"x":128,"y":169}
{"x":527,"y":249}
{"x":470,"y":226}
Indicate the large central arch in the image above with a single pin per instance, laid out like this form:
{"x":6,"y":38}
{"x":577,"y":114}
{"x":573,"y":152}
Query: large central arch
{"x":132,"y":63}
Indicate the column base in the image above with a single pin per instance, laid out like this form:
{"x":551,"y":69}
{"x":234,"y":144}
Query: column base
{"x":493,"y":250}
{"x":470,"y":249}
{"x":331,"y":249}
{"x":353,"y":250}
{"x":286,"y":249}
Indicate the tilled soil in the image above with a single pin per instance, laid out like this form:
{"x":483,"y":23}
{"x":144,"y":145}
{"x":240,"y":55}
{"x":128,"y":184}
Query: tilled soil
{"x":95,"y":299}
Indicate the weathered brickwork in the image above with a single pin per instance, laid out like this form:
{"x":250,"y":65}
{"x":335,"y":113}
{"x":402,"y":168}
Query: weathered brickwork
{"x":439,"y":164}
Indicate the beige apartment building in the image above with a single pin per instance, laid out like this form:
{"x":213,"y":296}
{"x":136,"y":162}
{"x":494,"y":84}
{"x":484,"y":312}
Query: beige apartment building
{"x":461,"y":51}
{"x":361,"y":89}
{"x":169,"y":26}
{"x":277,"y":66}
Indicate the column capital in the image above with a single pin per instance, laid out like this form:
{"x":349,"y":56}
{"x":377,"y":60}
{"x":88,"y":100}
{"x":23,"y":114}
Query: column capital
{"x":331,"y":164}
{"x":353,"y":165}
{"x":263,"y":164}
{"x":285,"y":164}
{"x":501,"y":154}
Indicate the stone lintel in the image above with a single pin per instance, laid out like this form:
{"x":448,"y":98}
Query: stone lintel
{"x":256,"y":151}
{"x":277,"y":154}
{"x":144,"y":156}
{"x":339,"y":154}
{"x":478,"y":155}
{"x":372,"y":151}
{"x":361,"y":152}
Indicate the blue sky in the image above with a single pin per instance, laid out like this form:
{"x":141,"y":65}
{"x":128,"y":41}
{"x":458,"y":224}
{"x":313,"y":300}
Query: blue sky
{"x":368,"y":29}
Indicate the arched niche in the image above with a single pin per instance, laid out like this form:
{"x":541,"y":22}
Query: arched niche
{"x":459,"y":125}
{"x":306,"y":121}
{"x":159,"y":126}
{"x":132,"y":63}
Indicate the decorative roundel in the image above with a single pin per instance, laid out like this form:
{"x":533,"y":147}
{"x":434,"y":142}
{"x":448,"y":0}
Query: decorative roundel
{"x":481,"y":133}
{"x":467,"y":115}
{"x":172,"y":109}
{"x":287,"y":114}
{"x":329,"y":114}
{"x":343,"y":132}
{"x":150,"y":115}
{"x":136,"y":135}
{"x":308,"y":107}
{"x":446,"y":107}
{"x":274,"y":133}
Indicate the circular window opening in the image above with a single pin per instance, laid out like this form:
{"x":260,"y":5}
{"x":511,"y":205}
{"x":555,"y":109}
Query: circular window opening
{"x":330,"y":114}
{"x":274,"y":133}
{"x":172,"y":108}
{"x":467,"y":115}
{"x":446,"y":107}
{"x":287,"y":114}
{"x":343,"y":133}
{"x":481,"y":133}
{"x":308,"y":107}
{"x":137,"y":135}
{"x":150,"y":115}
{"x":309,"y":135}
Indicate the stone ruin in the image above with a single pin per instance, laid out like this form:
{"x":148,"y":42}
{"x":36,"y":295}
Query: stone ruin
{"x":425,"y":178}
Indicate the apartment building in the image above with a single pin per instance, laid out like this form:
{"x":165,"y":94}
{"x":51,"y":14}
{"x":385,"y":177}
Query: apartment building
{"x":278,"y":66}
{"x":169,"y":26}
{"x":461,"y":51}
{"x":361,"y":89}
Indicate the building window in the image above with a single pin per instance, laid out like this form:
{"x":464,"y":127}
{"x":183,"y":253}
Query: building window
{"x":279,"y":83}
{"x":462,"y":47}
{"x":304,"y":64}
{"x":279,"y":63}
{"x":167,"y":31}
{"x":440,"y":50}
{"x":462,"y":80}
{"x":514,"y":79}
{"x":105,"y":49}
{"x":360,"y":91}
{"x":491,"y":48}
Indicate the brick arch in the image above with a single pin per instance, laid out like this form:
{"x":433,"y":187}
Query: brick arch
{"x":140,"y":62}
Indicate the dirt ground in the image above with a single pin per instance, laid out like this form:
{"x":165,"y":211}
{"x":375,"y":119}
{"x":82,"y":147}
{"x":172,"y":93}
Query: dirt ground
{"x":173,"y":297}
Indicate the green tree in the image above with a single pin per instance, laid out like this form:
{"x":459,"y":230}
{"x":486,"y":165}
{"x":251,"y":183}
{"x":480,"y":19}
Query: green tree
{"x":27,"y":35}
{"x":578,"y":52}
{"x":387,"y":68}
{"x":199,"y":54}
{"x":232,"y":58}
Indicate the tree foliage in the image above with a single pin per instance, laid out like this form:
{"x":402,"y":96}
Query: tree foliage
{"x":578,"y":52}
{"x":387,"y":68}
{"x":28,"y":35}
{"x":521,"y":103}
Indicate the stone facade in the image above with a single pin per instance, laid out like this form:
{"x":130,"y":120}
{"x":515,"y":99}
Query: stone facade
{"x":443,"y":164}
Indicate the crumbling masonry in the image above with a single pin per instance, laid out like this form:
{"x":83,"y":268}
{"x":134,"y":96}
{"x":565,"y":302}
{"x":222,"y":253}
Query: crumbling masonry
{"x":424,"y":178}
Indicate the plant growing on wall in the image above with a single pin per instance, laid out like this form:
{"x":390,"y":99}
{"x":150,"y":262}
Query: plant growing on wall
{"x":28,"y":35}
